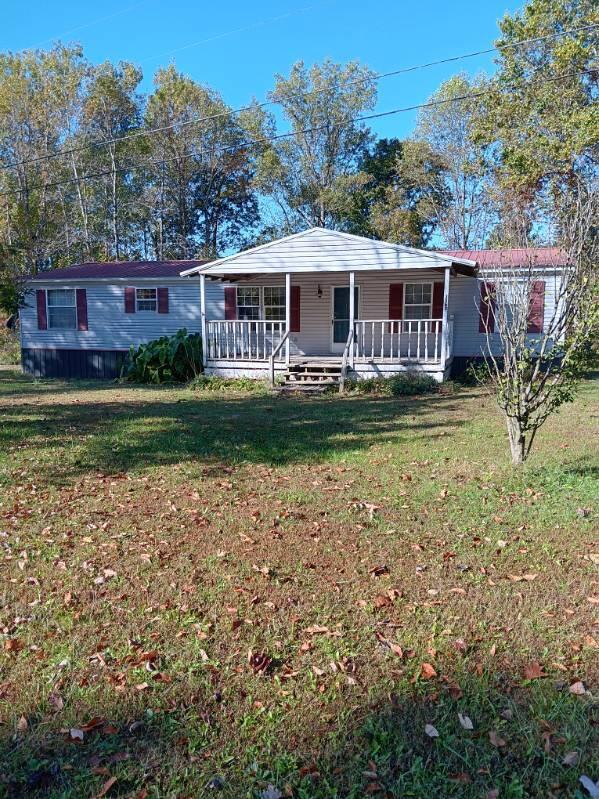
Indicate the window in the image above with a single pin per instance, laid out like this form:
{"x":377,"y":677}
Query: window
{"x":62,"y":311}
{"x":146,"y":299}
{"x":274,"y":303}
{"x":248,"y":302}
{"x":418,"y":298}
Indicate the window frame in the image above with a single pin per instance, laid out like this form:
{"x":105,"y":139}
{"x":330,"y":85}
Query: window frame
{"x":155,"y":300}
{"x":49,"y":325}
{"x":262,"y":306}
{"x":418,"y":283}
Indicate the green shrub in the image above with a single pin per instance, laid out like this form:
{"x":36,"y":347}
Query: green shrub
{"x":247,"y":385}
{"x":406,"y":384}
{"x":10,"y":349}
{"x":169,"y":359}
{"x":476,"y":373}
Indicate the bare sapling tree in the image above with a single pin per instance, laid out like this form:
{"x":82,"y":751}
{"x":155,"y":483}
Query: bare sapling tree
{"x":536,"y":350}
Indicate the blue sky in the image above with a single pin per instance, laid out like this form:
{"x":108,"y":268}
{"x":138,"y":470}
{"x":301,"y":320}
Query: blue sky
{"x":236,"y":47}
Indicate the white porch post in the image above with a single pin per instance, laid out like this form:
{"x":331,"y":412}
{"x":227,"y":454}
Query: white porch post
{"x":444,"y":330}
{"x":203,"y":318}
{"x":352,"y":312}
{"x":287,"y":313}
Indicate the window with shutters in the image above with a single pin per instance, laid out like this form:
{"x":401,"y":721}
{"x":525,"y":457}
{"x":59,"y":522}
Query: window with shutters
{"x":62,"y":310}
{"x":418,"y":300}
{"x":255,"y":302}
{"x":146,"y":299}
{"x":274,"y":303}
{"x":248,"y":302}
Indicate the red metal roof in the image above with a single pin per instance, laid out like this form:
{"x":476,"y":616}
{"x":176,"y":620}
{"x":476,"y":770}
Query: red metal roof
{"x":119,"y":269}
{"x":512,"y":258}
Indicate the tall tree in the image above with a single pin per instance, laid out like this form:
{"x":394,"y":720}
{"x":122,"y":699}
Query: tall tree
{"x":542,"y":115}
{"x":40,"y":97}
{"x":311,"y":174}
{"x":447,"y":125}
{"x":402,"y":193}
{"x":201,"y":194}
{"x":112,"y":112}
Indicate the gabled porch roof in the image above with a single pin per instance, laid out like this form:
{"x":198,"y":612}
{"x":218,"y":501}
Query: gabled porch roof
{"x":322,"y":250}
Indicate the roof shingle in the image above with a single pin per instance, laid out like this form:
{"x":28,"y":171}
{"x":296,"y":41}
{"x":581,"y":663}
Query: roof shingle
{"x":120,"y":269}
{"x":514,"y":257}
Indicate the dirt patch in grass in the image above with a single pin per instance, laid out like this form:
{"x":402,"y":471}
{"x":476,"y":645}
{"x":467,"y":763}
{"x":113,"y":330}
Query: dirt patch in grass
{"x":229,"y":595}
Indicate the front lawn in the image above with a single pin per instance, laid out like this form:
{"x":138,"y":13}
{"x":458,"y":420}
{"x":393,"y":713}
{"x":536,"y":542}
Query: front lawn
{"x":241,"y":595}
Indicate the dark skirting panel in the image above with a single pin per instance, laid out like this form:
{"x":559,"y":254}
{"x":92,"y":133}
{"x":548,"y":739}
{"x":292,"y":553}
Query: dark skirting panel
{"x":82,"y":364}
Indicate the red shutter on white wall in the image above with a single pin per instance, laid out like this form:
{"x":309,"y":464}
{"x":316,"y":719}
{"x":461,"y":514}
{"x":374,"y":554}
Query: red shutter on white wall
{"x":295,"y":322}
{"x":536,"y":307}
{"x":230,"y":302}
{"x":129,"y":299}
{"x":42,"y":314}
{"x":163,"y":300}
{"x":438,"y":293}
{"x":81,"y":295}
{"x":486,"y":318}
{"x":395,"y":304}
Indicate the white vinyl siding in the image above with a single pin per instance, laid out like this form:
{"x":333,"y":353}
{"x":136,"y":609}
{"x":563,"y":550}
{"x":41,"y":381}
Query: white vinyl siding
{"x":109,"y":327}
{"x":464,"y":299}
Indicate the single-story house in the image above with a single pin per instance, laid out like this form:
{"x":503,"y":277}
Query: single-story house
{"x":317,"y":303}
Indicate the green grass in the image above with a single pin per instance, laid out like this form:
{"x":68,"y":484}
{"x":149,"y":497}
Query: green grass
{"x":152,"y":538}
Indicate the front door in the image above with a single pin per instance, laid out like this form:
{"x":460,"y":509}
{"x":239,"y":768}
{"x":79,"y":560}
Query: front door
{"x":340,"y":318}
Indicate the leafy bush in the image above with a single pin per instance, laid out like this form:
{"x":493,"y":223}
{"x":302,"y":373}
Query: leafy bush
{"x":407,"y":384}
{"x":213,"y":383}
{"x":167,"y":359}
{"x":476,"y":373}
{"x":10,"y":350}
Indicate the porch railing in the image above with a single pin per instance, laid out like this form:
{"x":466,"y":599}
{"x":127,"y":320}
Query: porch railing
{"x":243,"y":340}
{"x":393,"y":340}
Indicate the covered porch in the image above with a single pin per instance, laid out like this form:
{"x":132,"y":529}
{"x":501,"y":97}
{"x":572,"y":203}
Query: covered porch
{"x":343,"y":302}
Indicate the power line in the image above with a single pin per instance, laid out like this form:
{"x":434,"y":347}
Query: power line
{"x":279,"y":136}
{"x":253,"y":26}
{"x":265,"y":103}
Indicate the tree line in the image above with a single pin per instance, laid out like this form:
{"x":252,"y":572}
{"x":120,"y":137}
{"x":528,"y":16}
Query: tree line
{"x":91,"y":168}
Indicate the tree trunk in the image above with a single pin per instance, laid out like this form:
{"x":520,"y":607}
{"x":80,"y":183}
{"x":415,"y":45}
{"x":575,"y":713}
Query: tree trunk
{"x":517,"y":441}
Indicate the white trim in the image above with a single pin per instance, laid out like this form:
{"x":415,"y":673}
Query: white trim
{"x":203,"y":316}
{"x":444,"y":325}
{"x":288,"y":316}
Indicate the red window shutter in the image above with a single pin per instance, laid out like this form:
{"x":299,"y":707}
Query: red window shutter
{"x":295,"y":325}
{"x":438,"y":292}
{"x":395,"y":300}
{"x":486,"y":318}
{"x":536,"y":307}
{"x":42,"y":315}
{"x":230,"y":302}
{"x":129,"y":299}
{"x":395,"y":304}
{"x":81,"y":295}
{"x":437,"y":310}
{"x":163,"y":300}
